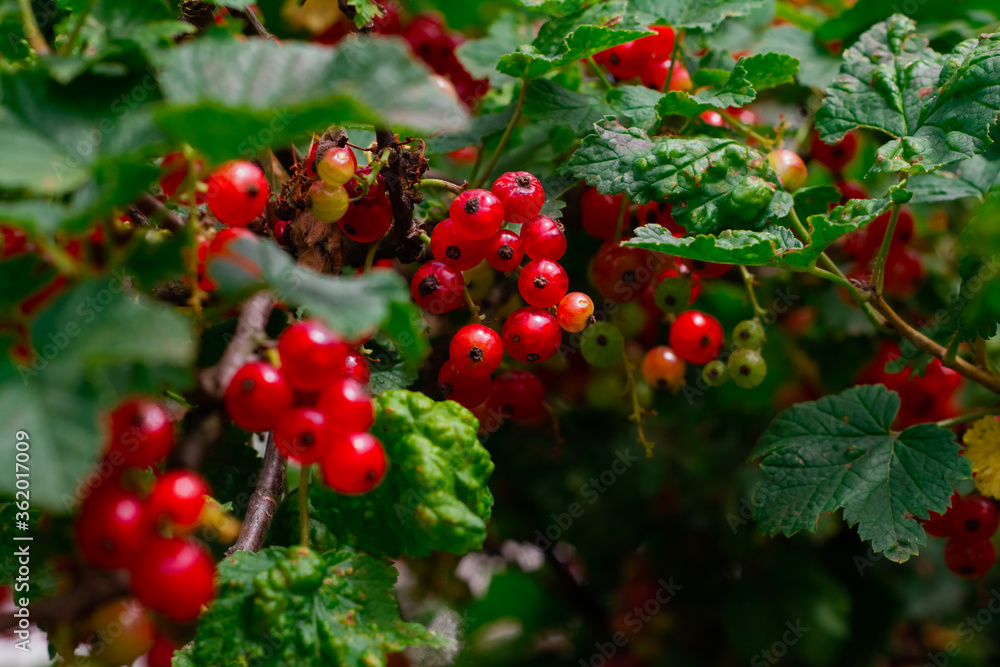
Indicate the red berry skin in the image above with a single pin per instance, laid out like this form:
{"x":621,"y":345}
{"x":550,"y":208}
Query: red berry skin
{"x":624,"y":61}
{"x":531,"y":335}
{"x":237,"y":193}
{"x":356,"y":367}
{"x":460,"y":252}
{"x":835,"y":156}
{"x":517,"y":395}
{"x":257,"y":396}
{"x":174,"y":577}
{"x":162,"y":653}
{"x":851,"y":190}
{"x":348,"y":407}
{"x":337,"y":165}
{"x":173,"y":170}
{"x":355,"y":465}
{"x":438,"y":287}
{"x":904,"y":272}
{"x":654,"y":75}
{"x":461,"y":387}
{"x":599,"y":213}
{"x":476,"y":350}
{"x":969,"y":560}
{"x":658,"y":47}
{"x":937,"y":525}
{"x":621,"y":273}
{"x":706,"y":270}
{"x":940,"y":380}
{"x":790,"y":168}
{"x":543,"y":283}
{"x":696,"y":337}
{"x":141,"y":432}
{"x":713,"y":118}
{"x":476,"y":214}
{"x":543,"y":238}
{"x":366,"y":224}
{"x":15,"y":241}
{"x":521,"y":196}
{"x":279,"y":230}
{"x":304,"y":435}
{"x":660,"y":213}
{"x":574,"y":312}
{"x":310,"y":355}
{"x":111,"y":527}
{"x":902,"y":235}
{"x":376,"y":191}
{"x":179,"y":497}
{"x":504,"y":250}
{"x":973,"y":518}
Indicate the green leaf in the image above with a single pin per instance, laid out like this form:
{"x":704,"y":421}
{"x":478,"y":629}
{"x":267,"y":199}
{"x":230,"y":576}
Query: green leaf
{"x":388,"y":369}
{"x":700,"y":176}
{"x":979,"y":246}
{"x":480,"y":130}
{"x":635,"y":103}
{"x":826,"y":228}
{"x":703,"y":14}
{"x":209,"y":104}
{"x":550,"y":103}
{"x":759,"y":248}
{"x":434,"y":497}
{"x":974,"y":177}
{"x":938,"y":109}
{"x":840,"y":452}
{"x":817,"y":67}
{"x":506,"y":34}
{"x":769,"y":70}
{"x":366,"y":11}
{"x":815,"y":200}
{"x":296,"y":607}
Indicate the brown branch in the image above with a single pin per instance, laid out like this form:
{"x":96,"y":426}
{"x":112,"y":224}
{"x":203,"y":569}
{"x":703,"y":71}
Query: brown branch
{"x":94,"y":589}
{"x":252,"y":19}
{"x":263,"y":502}
{"x":155,"y":212}
{"x":978,"y":375}
{"x":249,"y":328}
{"x":404,"y":234}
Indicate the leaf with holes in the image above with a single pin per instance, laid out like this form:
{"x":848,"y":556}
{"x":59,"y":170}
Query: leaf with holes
{"x":750,"y":248}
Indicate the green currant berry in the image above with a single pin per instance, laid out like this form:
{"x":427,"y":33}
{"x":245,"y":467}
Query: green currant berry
{"x":746,"y":368}
{"x":672,"y":295}
{"x":630,"y":318}
{"x":715,"y":373}
{"x":329,"y":202}
{"x":749,"y":334}
{"x":602,"y":344}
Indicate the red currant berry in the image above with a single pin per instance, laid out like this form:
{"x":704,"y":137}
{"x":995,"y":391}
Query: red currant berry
{"x":654,"y":75}
{"x":15,"y":241}
{"x":941,"y":380}
{"x":310,"y":355}
{"x":111,"y":527}
{"x":477,"y":350}
{"x":663,"y":369}
{"x":122,"y":631}
{"x":162,"y":653}
{"x":257,"y":396}
{"x":974,"y":518}
{"x":356,"y":367}
{"x":851,"y":190}
{"x":173,"y":170}
{"x":336,"y":166}
{"x":348,"y":407}
{"x":543,"y":238}
{"x":696,"y":337}
{"x":366,"y":224}
{"x":237,"y":193}
{"x":703,"y":270}
{"x":746,"y":116}
{"x":938,"y":525}
{"x":660,"y":213}
{"x":438,"y":287}
{"x":835,"y":156}
{"x":476,"y":214}
{"x":141,"y":433}
{"x":969,"y":560}
{"x":624,"y":61}
{"x":902,"y":235}
{"x":304,"y":435}
{"x":517,"y":395}
{"x":599,"y":213}
{"x":376,"y":191}
{"x":904,"y":272}
{"x":713,"y":118}
{"x":504,"y":250}
{"x":279,"y":231}
{"x":179,"y":497}
{"x":328,"y":203}
{"x":174,"y":577}
{"x":521,"y":196}
{"x":457,"y":385}
{"x":621,"y":273}
{"x":657,"y":47}
{"x":531,"y":335}
{"x":356,"y":464}
{"x":543,"y":283}
{"x":574,"y":312}
{"x":790,"y":168}
{"x":460,"y":252}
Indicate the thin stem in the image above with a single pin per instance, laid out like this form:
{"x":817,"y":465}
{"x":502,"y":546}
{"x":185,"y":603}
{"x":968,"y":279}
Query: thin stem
{"x":477,"y":164}
{"x":673,"y":60}
{"x":61,"y":259}
{"x":830,"y":269}
{"x":600,"y":73}
{"x":440,"y":183}
{"x":425,"y":239}
{"x":31,"y":31}
{"x":969,"y":416}
{"x":638,"y":413}
{"x":798,"y":227}
{"x":304,"y":472}
{"x":476,"y":315}
{"x":746,"y":129}
{"x":67,"y":48}
{"x":878,"y":272}
{"x":622,"y":214}
{"x":370,"y":257}
{"x":748,"y":281}
{"x":506,"y":135}
{"x":952,"y":351}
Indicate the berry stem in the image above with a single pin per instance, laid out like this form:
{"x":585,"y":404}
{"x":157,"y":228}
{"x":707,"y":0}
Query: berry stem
{"x":622,"y":214}
{"x":746,"y":129}
{"x":508,"y":131}
{"x":969,"y":416}
{"x":748,"y":281}
{"x":600,"y":73}
{"x":31,"y":31}
{"x":425,"y":238}
{"x":59,"y":257}
{"x":67,"y":48}
{"x":638,"y":414}
{"x":476,"y":315}
{"x":370,"y":257}
{"x":304,"y":472}
{"x":678,"y":37}
{"x":878,"y":272}
{"x":440,"y":183}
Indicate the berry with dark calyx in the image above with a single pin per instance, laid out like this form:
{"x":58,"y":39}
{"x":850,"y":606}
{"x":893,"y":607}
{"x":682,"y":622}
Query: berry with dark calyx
{"x":602,"y":345}
{"x":141,"y":432}
{"x":624,"y":61}
{"x":347,"y":406}
{"x":328,"y":203}
{"x":122,"y":631}
{"x":974,"y":518}
{"x":531,"y":335}
{"x":356,"y":367}
{"x":746,"y":368}
{"x":663,"y":369}
{"x":366,"y":224}
{"x":376,"y":190}
{"x":178,"y":497}
{"x":336,"y":166}
{"x":461,"y":387}
{"x":460,"y":252}
{"x":237,"y":193}
{"x":355,"y":465}
{"x":696,"y":337}
{"x":574,"y":312}
{"x":174,"y":577}
{"x":504,"y":250}
{"x":660,"y":213}
{"x":543,"y":238}
{"x":476,"y":214}
{"x":672,"y":295}
{"x":257,"y":396}
{"x":969,"y":560}
{"x":749,"y":334}
{"x":715,"y":373}
{"x":706,"y":270}
{"x":599,"y":213}
{"x":476,"y":350}
{"x":517,"y":394}
{"x":521,"y":196}
{"x":303,"y":435}
{"x":790,"y":168}
{"x":111,"y":527}
{"x":438,"y":287}
{"x":543,"y":283}
{"x":621,"y":273}
{"x":835,"y":156}
{"x":310,"y":355}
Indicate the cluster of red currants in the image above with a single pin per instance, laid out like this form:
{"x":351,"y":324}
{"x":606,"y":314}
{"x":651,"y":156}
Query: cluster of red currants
{"x":968,"y":525}
{"x":647,"y":59}
{"x":316,"y":404}
{"x":126,"y":522}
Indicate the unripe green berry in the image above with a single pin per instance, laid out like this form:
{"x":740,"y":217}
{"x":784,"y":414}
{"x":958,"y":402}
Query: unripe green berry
{"x":746,"y":368}
{"x":749,"y":334}
{"x":602,"y":344}
{"x":714,"y":373}
{"x":672,"y":295}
